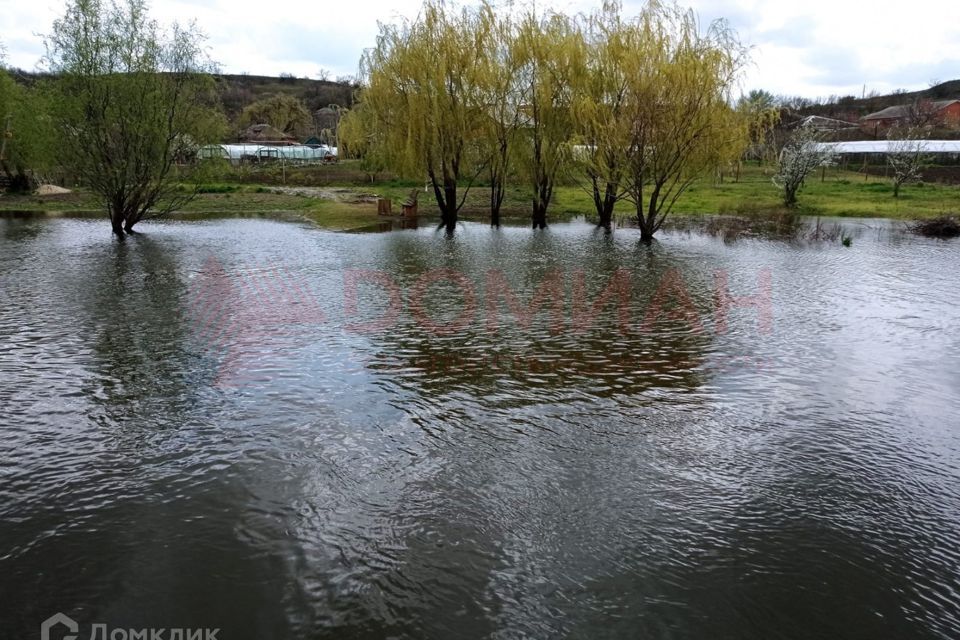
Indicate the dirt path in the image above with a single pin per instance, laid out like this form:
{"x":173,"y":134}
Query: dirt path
{"x":336,"y":194}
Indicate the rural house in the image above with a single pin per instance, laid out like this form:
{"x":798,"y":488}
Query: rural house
{"x":939,"y":113}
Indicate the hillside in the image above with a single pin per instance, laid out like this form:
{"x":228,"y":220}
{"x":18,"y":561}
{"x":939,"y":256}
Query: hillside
{"x":852,"y":108}
{"x":237,"y":91}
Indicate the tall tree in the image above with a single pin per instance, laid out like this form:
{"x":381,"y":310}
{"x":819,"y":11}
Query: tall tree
{"x":679,"y":81}
{"x":761,"y":113}
{"x":601,"y":109}
{"x":422,"y":103}
{"x":654,"y":111}
{"x":551,"y":58}
{"x":132,"y":98}
{"x":360,"y":138}
{"x":497,"y":85}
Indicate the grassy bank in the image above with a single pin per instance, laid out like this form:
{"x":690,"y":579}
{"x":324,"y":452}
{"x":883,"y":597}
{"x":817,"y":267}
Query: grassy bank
{"x":340,"y":197}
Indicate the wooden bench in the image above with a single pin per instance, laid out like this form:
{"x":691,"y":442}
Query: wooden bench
{"x":409,"y":205}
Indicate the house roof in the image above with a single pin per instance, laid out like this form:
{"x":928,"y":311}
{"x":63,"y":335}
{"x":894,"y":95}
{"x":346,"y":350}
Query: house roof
{"x":903,"y":110}
{"x":823,"y":123}
{"x":263,"y":133}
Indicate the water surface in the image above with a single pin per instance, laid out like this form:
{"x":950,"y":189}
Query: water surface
{"x":196,"y":435}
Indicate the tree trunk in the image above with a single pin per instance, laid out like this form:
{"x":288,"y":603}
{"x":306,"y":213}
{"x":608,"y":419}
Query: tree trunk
{"x":446,"y":196}
{"x":604,"y":204}
{"x":646,"y":227}
{"x":541,"y":200}
{"x":116,"y":221}
{"x":495,"y":217}
{"x":496,"y":200}
{"x":789,"y":196}
{"x":645,"y":223}
{"x":539,"y":215}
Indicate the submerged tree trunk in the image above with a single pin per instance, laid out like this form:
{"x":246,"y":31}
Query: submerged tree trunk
{"x":116,"y":221}
{"x":496,"y":199}
{"x":539,"y":215}
{"x":543,"y":192}
{"x":648,"y":223}
{"x":604,"y":203}
{"x":446,"y":195}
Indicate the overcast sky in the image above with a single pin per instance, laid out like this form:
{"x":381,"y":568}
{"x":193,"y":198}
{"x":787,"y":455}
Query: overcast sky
{"x":811,"y":48}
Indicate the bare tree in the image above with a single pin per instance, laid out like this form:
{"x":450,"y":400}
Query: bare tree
{"x":920,"y":113}
{"x":802,"y":154}
{"x":906,"y":156}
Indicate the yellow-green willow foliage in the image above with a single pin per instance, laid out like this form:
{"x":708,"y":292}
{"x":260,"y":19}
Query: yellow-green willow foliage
{"x":498,"y":67}
{"x":360,"y":138}
{"x":551,"y":55}
{"x":641,"y":105}
{"x":602,"y":108}
{"x":421,"y":102}
{"x":657,"y":114}
{"x":759,"y":109}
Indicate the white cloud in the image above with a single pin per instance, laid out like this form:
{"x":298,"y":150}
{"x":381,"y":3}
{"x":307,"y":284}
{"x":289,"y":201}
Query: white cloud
{"x":813,"y":48}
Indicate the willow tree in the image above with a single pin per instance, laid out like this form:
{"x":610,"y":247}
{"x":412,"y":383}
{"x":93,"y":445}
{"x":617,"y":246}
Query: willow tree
{"x":284,"y":112}
{"x":679,"y":82}
{"x":422,"y":104}
{"x":359,"y":138}
{"x":497,"y":86}
{"x":601,"y":109}
{"x":551,"y":56}
{"x":132,"y":99}
{"x":760,"y":111}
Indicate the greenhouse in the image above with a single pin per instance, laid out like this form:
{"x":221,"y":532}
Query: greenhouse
{"x":891,"y":146}
{"x":239,"y":153}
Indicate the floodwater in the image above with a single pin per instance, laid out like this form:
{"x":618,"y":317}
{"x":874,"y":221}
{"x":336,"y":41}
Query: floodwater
{"x":203,"y":428}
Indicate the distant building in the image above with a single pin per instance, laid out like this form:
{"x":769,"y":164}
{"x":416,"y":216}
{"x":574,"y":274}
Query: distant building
{"x":821,"y":123}
{"x":944,"y":114}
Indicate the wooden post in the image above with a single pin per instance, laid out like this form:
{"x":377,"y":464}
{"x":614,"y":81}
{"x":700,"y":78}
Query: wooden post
{"x":383,"y":206}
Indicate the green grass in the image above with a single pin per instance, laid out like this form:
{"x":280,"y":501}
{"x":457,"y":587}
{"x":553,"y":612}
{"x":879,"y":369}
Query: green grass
{"x":837,"y":194}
